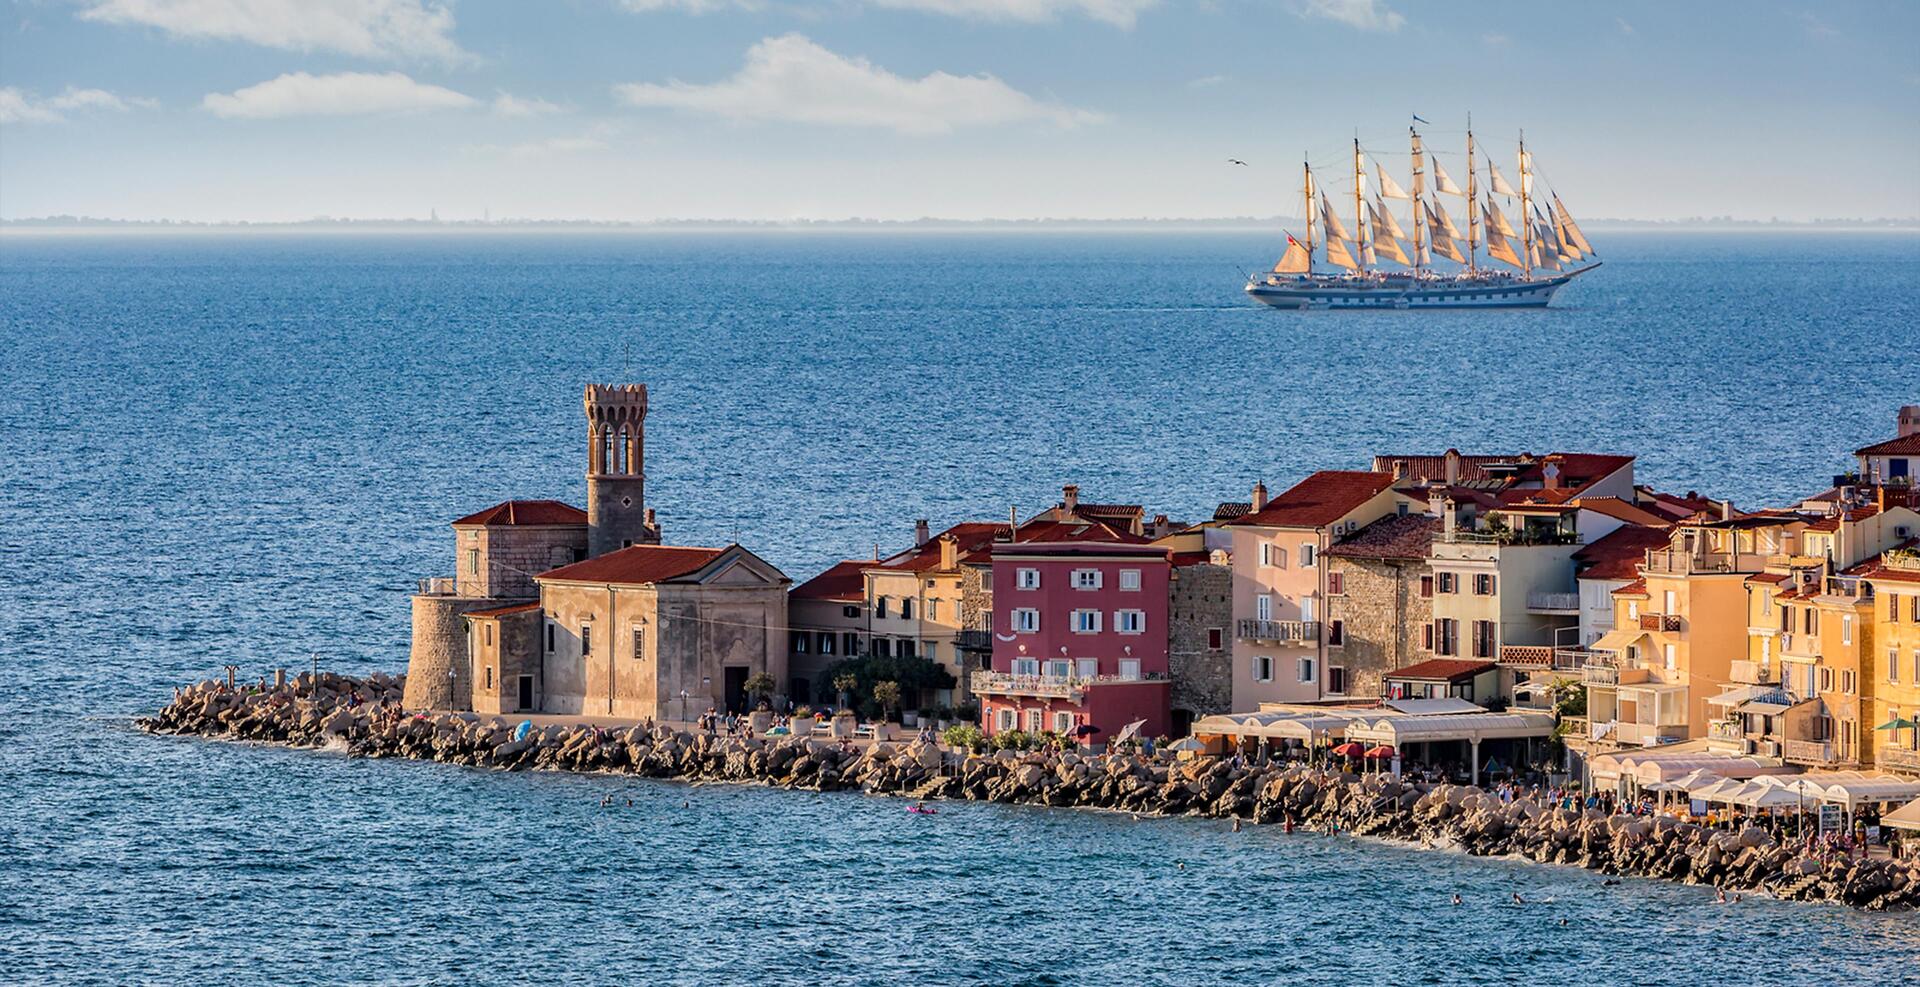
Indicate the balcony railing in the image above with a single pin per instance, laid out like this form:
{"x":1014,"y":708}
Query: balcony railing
{"x":973,"y":640}
{"x":1807,"y":752}
{"x":1753,"y":673}
{"x":1800,"y":645}
{"x":1728,"y":730}
{"x":1897,"y":759}
{"x":1903,"y":559}
{"x":1250,"y":629}
{"x":1052,"y":686}
{"x":1660,"y":622}
{"x":1553,"y":602}
{"x":1668,"y":562}
{"x":1647,"y":734}
{"x":1600,"y":673}
{"x":438,"y":586}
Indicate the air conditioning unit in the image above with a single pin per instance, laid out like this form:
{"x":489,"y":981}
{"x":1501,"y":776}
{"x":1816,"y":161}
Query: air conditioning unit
{"x":1901,"y":532}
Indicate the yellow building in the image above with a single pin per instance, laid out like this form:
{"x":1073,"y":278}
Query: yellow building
{"x":1895,"y":672}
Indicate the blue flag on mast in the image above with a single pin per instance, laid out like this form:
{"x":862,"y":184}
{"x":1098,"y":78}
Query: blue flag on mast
{"x":1417,"y":119}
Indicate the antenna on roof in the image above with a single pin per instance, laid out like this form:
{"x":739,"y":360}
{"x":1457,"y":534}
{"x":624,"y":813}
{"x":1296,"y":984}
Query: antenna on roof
{"x":1013,"y":521}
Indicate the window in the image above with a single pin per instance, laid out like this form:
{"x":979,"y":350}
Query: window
{"x":1306,"y":554}
{"x":487,"y":635}
{"x":883,"y":647}
{"x":1086,"y":668}
{"x":849,"y":643}
{"x":1336,"y":584}
{"x":1811,"y":624}
{"x":1006,"y":719}
{"x":986,"y":581}
{"x":1893,"y":609}
{"x":1671,"y":601}
{"x":489,"y":676}
{"x":1086,"y":621}
{"x":1483,"y":639}
{"x":1916,"y":666}
{"x":1130,"y":668}
{"x":1026,"y":620}
{"x":1027,"y":579}
{"x":1426,"y":586}
{"x":550,"y":627}
{"x":1130,"y":580}
{"x":1062,"y":723}
{"x":1216,"y":638}
{"x":1130,"y":621}
{"x":473,"y":561}
{"x":1672,"y":658}
{"x":1336,"y":679}
{"x":1273,"y":555}
{"x":1426,"y":636}
{"x":1846,"y":682}
{"x":880,"y":607}
{"x":826,"y":642}
{"x":800,"y":643}
{"x":1766,"y":603}
{"x":1262,"y":668}
{"x":1336,"y":636}
{"x":1633,"y":609}
{"x":1263,"y":607}
{"x":1305,"y":669}
{"x":1034,"y":720}
{"x":1059,"y":668}
{"x":906,"y":608}
{"x":1026,"y":666}
{"x":850,"y":612}
{"x":1307,"y":608}
{"x":1449,"y":582}
{"x":1446,"y":636}
{"x":1086,"y":579}
{"x":1913,"y":609}
{"x":586,"y":640}
{"x":640,"y":643}
{"x":1893,"y":665}
{"x":1482,"y":584}
{"x":933,"y":609}
{"x":1766,"y":650}
{"x":907,"y":646}
{"x":1846,"y":628}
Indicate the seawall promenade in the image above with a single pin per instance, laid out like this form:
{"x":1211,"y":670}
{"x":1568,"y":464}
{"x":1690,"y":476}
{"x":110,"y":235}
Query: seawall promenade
{"x":365,"y":717}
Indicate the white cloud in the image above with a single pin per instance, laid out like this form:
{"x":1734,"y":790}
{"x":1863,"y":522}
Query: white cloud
{"x":1121,"y":13}
{"x":1625,"y":27}
{"x":1367,"y":15}
{"x":366,"y":28}
{"x":18,"y":106}
{"x":344,"y":94}
{"x":790,"y":78}
{"x":508,"y":105}
{"x":550,"y":147}
{"x":1206,"y":82}
{"x":1496,"y":40}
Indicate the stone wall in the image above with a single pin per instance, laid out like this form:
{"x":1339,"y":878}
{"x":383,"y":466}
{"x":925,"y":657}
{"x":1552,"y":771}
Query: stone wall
{"x":1383,"y":615}
{"x":1200,"y":600}
{"x":511,"y":555}
{"x":438,"y":673}
{"x":976,"y":600}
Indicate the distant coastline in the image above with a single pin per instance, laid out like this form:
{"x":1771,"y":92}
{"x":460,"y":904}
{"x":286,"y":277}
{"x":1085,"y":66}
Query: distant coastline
{"x":1269,"y":224}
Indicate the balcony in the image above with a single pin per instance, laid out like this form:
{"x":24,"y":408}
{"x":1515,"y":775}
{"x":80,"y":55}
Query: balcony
{"x":1660,"y":622}
{"x":1648,"y":734}
{"x":1800,"y":645}
{"x":1553,"y":603}
{"x":1902,"y":759}
{"x":973,"y":640}
{"x":1283,"y":631}
{"x":1811,"y":752}
{"x":438,"y":586}
{"x":1667,"y":562}
{"x":1072,"y":688}
{"x":1728,"y":731}
{"x":1600,"y":673}
{"x":1753,"y":673}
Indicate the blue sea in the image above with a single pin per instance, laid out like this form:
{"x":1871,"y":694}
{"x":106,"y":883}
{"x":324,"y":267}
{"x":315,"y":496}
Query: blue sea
{"x":245,"y":448}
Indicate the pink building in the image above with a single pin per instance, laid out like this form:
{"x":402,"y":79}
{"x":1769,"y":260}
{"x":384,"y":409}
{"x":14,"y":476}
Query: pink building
{"x":1079,"y":639}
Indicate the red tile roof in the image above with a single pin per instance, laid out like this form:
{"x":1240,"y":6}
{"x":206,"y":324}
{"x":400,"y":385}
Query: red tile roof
{"x":1319,"y":500}
{"x":1636,"y":588}
{"x":1230,"y":509}
{"x":1431,"y":467}
{"x":506,"y":611}
{"x":1832,"y":522}
{"x":1395,"y":536}
{"x":526,"y":512}
{"x":1182,"y":559}
{"x":972,"y":536}
{"x":638,"y":564}
{"x":1618,"y":555}
{"x":1768,"y":577}
{"x":1442,"y":669}
{"x":842,"y":582}
{"x":1905,"y":445}
{"x":1620,"y":510}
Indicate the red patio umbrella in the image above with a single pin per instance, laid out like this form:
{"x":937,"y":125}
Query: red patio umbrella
{"x":1382,"y":752}
{"x":1351,"y":748}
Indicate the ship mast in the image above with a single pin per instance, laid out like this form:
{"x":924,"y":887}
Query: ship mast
{"x":1526,"y":213}
{"x":1419,"y":206}
{"x":1473,"y":206}
{"x":1359,"y":207}
{"x":1306,"y":190}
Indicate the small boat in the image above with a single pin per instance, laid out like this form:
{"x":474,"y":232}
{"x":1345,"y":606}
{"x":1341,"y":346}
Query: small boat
{"x":1542,"y":252}
{"x":921,"y":810}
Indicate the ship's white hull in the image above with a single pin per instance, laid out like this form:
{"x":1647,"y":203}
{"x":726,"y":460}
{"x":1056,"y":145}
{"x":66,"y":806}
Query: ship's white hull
{"x":1319,"y":292}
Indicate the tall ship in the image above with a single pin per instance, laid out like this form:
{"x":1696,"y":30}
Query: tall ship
{"x":1540,"y":257}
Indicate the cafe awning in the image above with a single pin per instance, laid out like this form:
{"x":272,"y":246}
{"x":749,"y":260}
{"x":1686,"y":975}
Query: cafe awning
{"x":1905,"y":817}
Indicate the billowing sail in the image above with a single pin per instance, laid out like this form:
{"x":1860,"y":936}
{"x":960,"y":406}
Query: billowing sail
{"x":1369,"y":256}
{"x":1546,"y":250}
{"x":1501,"y":249}
{"x":1438,"y":219}
{"x":1445,"y":247}
{"x":1569,"y":229}
{"x":1384,"y":223}
{"x":1296,"y":260}
{"x":1330,"y":221}
{"x":1386,"y":246}
{"x":1526,"y":173}
{"x":1338,"y":255}
{"x":1500,"y":185}
{"x":1568,"y":251}
{"x":1496,"y":222}
{"x":1388,"y":187}
{"x":1442,"y":183}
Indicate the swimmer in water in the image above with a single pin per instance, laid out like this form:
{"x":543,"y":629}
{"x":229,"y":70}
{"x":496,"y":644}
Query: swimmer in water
{"x":1236,"y":824}
{"x":1720,"y":898}
{"x":1563,"y":921}
{"x":1609,"y":882}
{"x":1517,"y":899}
{"x":1456,"y":899}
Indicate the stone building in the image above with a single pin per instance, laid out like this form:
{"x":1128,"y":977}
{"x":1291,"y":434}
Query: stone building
{"x":513,"y":630}
{"x":827,"y":623}
{"x":1379,"y":600}
{"x":1199,"y":652}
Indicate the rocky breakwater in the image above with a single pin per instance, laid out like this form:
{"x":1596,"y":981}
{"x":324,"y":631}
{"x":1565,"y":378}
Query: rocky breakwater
{"x":363,"y":715}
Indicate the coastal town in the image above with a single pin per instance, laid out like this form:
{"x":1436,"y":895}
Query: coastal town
{"x":1487,"y":615}
{"x":1512,"y":652}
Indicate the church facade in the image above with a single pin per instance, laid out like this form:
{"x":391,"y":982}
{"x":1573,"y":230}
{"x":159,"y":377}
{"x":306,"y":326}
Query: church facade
{"x":554,"y":609}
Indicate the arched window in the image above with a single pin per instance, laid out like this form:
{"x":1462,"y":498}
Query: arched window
{"x":622,"y":447}
{"x":605,"y":444}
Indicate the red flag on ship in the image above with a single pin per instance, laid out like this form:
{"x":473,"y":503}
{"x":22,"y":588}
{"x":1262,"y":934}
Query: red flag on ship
{"x":1291,"y":242}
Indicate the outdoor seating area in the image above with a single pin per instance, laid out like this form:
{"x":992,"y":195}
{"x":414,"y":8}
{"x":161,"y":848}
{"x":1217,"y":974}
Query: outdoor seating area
{"x":1443,"y":735}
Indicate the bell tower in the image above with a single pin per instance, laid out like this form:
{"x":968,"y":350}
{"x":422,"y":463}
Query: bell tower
{"x":617,"y":514}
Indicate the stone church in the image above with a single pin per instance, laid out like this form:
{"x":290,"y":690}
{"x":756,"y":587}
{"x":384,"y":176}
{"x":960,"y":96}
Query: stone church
{"x":552,"y":609}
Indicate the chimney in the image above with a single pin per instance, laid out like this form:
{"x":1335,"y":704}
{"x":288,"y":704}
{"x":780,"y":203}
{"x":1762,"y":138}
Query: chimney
{"x":1259,"y":501}
{"x":1550,"y":476}
{"x":949,"y":553}
{"x":1909,"y":421}
{"x":1399,"y":469}
{"x":921,"y":533}
{"x":1070,"y":497}
{"x":1442,"y":505}
{"x":1726,"y":510}
{"x":1453,"y":467}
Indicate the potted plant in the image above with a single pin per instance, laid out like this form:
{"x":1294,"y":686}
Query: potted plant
{"x":845,"y":683}
{"x":887,"y":694}
{"x":800,"y":724}
{"x":842,"y":725}
{"x":910,"y":717}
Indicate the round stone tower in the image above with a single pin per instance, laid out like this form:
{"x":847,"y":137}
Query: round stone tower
{"x":617,"y":514}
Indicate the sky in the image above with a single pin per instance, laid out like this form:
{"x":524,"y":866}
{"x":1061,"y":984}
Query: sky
{"x":279,"y":110}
